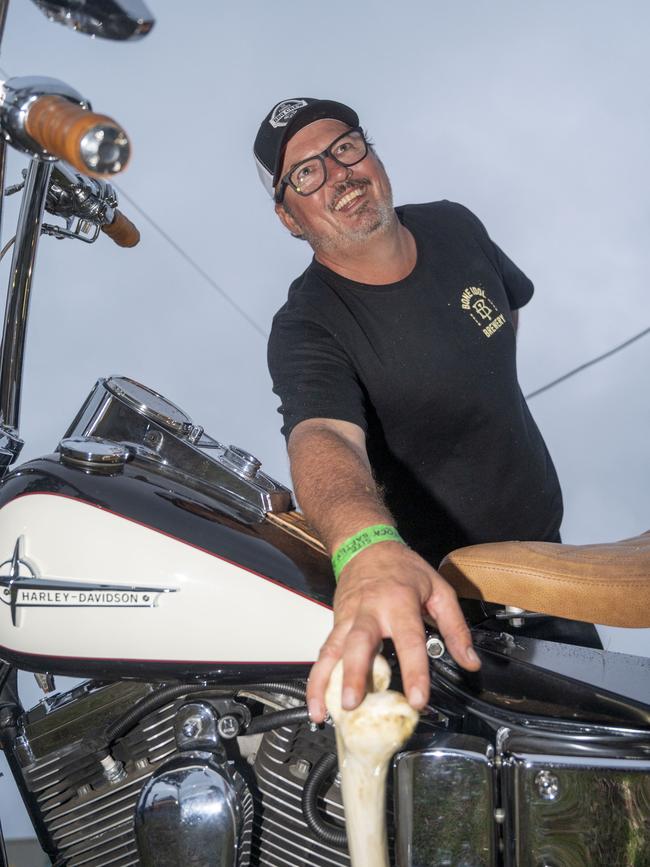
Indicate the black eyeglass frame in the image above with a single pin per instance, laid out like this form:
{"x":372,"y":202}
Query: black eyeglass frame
{"x":286,"y":180}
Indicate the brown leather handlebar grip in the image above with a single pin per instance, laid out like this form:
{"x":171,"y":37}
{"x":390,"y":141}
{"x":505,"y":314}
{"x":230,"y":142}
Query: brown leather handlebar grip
{"x":122,"y":231}
{"x":93,"y":143}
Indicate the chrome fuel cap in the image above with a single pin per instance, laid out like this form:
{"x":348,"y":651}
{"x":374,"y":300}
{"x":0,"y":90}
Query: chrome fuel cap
{"x":93,"y":453}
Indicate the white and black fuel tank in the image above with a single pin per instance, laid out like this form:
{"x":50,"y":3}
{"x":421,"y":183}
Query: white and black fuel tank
{"x":143,"y":545}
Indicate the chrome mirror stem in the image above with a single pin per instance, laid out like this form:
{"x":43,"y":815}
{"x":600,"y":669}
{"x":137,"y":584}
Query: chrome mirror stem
{"x":17,"y":307}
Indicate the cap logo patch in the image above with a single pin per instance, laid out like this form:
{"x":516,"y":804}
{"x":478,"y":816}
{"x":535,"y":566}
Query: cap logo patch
{"x":284,"y":111}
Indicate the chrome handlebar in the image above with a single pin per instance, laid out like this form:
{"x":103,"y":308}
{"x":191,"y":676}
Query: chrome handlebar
{"x":64,"y":192}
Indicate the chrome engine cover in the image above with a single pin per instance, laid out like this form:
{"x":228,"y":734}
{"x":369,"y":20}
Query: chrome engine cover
{"x":569,"y":811}
{"x":445,"y":798}
{"x":189,"y":813}
{"x":586,"y":801}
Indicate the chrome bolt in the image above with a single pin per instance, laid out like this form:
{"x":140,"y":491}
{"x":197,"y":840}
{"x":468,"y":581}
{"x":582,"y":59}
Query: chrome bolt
{"x":513,"y":620}
{"x":113,"y":771}
{"x":300,"y":768}
{"x":154,"y":439}
{"x":191,"y":727}
{"x":548,"y":785}
{"x":435,"y":648}
{"x":228,"y":726}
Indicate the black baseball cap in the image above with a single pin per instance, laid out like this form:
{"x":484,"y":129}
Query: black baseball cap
{"x":282,"y":122}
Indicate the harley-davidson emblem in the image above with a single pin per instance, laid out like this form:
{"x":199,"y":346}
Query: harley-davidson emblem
{"x":22,"y":587}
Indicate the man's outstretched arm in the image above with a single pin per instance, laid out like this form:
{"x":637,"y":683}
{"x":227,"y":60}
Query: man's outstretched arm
{"x":385,"y":589}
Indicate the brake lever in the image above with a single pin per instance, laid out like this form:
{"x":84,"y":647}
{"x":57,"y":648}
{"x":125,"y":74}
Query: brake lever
{"x":92,"y":202}
{"x":72,"y":194}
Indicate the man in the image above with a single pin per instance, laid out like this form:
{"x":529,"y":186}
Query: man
{"x":394,"y":358}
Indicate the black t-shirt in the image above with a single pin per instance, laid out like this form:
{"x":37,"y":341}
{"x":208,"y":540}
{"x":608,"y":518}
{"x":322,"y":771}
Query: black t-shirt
{"x":427,"y":367}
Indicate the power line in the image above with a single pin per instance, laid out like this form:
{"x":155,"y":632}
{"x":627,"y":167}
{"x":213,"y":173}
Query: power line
{"x":262,"y":333}
{"x":190,"y":261}
{"x":182,"y":252}
{"x":587,"y":364}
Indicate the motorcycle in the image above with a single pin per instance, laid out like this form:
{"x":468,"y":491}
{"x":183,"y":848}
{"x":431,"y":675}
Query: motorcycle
{"x":177,"y":579}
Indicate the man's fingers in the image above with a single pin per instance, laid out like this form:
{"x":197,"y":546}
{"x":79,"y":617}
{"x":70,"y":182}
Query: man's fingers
{"x":408,"y":638}
{"x":443,"y":606}
{"x":361,"y":645}
{"x":320,"y":673}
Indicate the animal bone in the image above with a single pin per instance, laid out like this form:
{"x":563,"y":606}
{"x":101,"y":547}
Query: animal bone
{"x":366,"y":739}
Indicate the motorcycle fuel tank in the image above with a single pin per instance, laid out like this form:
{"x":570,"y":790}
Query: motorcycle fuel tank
{"x":114,"y":561}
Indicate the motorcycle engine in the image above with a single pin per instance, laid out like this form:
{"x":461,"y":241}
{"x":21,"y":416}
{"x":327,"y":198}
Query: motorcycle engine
{"x":160,"y":795}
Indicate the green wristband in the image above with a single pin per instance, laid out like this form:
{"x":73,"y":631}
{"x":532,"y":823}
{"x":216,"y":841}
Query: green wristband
{"x":361,"y":540}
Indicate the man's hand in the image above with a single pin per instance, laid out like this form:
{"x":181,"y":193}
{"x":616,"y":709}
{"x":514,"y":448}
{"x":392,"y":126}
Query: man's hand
{"x":383,"y":592}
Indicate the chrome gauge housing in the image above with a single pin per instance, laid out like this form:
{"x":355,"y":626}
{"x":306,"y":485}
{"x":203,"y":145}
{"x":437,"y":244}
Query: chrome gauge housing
{"x":152,"y":429}
{"x":153,"y":406}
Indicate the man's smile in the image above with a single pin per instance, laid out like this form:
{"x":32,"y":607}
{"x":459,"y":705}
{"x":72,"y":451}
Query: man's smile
{"x":345,"y":200}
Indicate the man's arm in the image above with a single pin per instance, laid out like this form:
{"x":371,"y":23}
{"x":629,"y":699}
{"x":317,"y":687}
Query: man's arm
{"x":384,"y":590}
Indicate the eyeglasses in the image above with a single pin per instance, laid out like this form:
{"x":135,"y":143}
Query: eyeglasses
{"x":309,"y":175}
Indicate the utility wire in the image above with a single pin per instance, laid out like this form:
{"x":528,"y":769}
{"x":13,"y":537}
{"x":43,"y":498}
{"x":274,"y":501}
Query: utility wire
{"x":224,"y":294}
{"x":262,"y":333}
{"x":587,"y":364}
{"x":182,"y":252}
{"x":190,"y":261}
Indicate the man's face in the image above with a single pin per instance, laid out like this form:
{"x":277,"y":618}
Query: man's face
{"x":354,"y":203}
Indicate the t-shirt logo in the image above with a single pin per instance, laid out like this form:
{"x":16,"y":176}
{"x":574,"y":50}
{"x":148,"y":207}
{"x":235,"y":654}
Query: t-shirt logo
{"x":284,"y":111}
{"x":482,"y":310}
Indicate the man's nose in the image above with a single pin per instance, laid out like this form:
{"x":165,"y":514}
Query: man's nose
{"x":336,"y":173}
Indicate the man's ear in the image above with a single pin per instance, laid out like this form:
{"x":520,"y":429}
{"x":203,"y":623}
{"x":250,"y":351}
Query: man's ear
{"x":288,"y":220}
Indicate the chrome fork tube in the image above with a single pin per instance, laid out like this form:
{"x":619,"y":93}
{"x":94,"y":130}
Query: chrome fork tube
{"x":4,"y":6}
{"x":18,"y":292}
{"x":3,"y":163}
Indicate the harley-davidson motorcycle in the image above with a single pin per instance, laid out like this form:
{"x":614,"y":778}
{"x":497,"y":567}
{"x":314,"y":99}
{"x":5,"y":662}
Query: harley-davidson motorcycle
{"x":176,"y":578}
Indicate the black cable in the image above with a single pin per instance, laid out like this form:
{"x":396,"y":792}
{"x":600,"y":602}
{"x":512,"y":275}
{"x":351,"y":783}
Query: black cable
{"x":322,"y":829}
{"x":148,"y":704}
{"x":588,"y":364}
{"x":291,"y":716}
{"x":155,"y":700}
{"x":295,"y":690}
{"x":189,"y":260}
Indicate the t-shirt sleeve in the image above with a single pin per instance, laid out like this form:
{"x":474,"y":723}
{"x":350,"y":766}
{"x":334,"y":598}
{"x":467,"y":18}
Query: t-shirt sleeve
{"x":519,"y":288}
{"x":312,"y":374}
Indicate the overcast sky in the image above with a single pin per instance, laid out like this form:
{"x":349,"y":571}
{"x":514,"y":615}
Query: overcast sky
{"x":535,"y":116}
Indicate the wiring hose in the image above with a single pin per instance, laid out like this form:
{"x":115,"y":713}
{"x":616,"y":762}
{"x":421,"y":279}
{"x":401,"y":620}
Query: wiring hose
{"x":324,"y":830}
{"x":277,"y":719}
{"x":161,"y":697}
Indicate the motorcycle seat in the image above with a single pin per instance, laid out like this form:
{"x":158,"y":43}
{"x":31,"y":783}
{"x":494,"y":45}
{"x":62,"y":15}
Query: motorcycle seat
{"x":606,"y":583}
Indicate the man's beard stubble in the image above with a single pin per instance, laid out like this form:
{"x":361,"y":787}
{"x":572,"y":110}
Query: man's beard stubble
{"x":380,"y":220}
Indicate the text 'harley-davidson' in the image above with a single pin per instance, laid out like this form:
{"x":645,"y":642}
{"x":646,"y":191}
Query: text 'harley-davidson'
{"x":133,"y":556}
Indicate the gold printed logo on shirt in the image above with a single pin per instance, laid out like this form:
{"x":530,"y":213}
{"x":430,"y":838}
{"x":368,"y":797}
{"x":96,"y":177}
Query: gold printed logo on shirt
{"x":482,"y":309}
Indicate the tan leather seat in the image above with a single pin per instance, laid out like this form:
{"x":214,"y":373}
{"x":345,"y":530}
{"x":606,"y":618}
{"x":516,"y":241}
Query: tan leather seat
{"x":608,"y":583}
